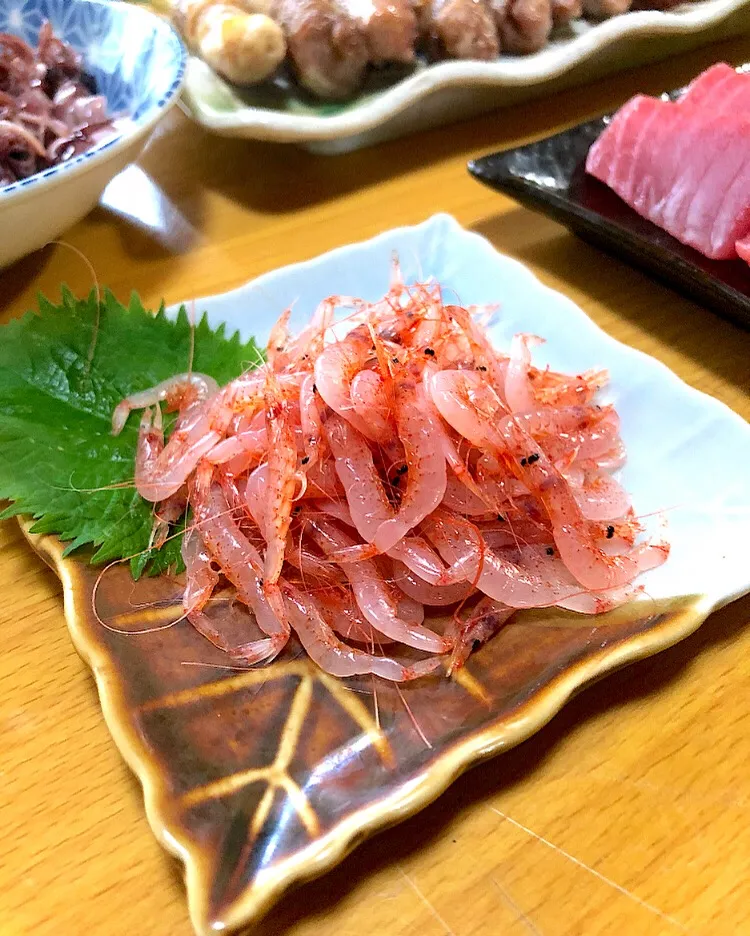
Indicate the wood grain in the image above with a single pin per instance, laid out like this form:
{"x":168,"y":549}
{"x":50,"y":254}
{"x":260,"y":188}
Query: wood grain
{"x":627,"y":814}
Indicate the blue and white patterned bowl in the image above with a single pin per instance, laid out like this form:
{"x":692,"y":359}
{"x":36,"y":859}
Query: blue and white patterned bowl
{"x":138,"y":63}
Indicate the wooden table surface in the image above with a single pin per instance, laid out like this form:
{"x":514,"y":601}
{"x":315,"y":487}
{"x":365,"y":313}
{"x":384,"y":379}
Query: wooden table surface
{"x":627,"y":814}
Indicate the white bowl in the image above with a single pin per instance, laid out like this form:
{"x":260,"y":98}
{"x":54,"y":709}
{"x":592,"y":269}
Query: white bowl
{"x":138,"y":63}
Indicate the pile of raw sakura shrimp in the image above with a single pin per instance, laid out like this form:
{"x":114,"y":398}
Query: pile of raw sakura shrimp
{"x":358,"y":489}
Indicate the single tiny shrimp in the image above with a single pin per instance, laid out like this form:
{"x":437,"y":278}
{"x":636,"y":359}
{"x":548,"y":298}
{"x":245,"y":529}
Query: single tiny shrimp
{"x":282,"y":479}
{"x":555,"y":389}
{"x":456,"y":463}
{"x":429,"y":326}
{"x":368,"y":504}
{"x":453,"y":393}
{"x":426,"y":477}
{"x":599,"y":496}
{"x":161,"y":471}
{"x":200,"y":576}
{"x":519,"y":391}
{"x":178,"y":392}
{"x":585,"y":559}
{"x":372,"y":595}
{"x":435,"y":595}
{"x":484,"y":621}
{"x":312,"y":425}
{"x":370,"y":403}
{"x":335,"y":657}
{"x":335,"y":370}
{"x":165,"y":514}
{"x":240,"y":562}
{"x":278,"y":339}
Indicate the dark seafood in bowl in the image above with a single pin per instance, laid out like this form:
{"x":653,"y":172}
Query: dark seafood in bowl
{"x":49,"y":111}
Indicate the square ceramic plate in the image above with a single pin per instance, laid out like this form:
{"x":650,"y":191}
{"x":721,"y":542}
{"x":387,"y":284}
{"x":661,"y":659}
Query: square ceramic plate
{"x":550,"y":176}
{"x":260,"y":779}
{"x":448,"y":91}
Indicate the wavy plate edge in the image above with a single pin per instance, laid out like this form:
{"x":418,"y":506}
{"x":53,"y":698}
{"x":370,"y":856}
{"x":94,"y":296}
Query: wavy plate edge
{"x":272,"y":125}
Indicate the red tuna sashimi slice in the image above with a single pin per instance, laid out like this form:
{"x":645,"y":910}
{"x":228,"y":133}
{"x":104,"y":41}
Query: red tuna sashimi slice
{"x":654,"y":174}
{"x":615,"y":156}
{"x":719,"y":90}
{"x":720,"y":206}
{"x":605,"y":151}
{"x":684,"y":147}
{"x":652,"y":123}
{"x":708,"y":205}
{"x":743,"y":249}
{"x":640,"y":122}
{"x":685,"y":158}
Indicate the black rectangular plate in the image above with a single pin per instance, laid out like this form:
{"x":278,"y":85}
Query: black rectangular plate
{"x":549,"y":176}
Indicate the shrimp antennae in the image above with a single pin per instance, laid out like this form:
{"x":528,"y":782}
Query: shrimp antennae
{"x":97,"y":319}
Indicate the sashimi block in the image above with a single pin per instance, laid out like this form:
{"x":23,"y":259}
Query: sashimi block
{"x":692,"y":176}
{"x":719,"y":90}
{"x":623,"y":155}
{"x":743,"y":249}
{"x":664,"y":147}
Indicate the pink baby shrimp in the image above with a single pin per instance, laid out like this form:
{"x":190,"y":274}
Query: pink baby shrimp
{"x":373,"y":596}
{"x":336,"y":368}
{"x":179,"y":393}
{"x":338,"y":658}
{"x":425,"y":476}
{"x":519,"y":391}
{"x":590,"y":565}
{"x":484,"y":620}
{"x":241,"y":564}
{"x":282,"y":479}
{"x":161,"y":471}
{"x":312,"y":425}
